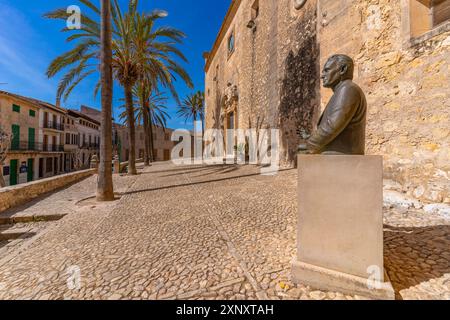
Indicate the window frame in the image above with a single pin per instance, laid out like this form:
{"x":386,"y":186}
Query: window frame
{"x":410,"y":40}
{"x":231,"y":36}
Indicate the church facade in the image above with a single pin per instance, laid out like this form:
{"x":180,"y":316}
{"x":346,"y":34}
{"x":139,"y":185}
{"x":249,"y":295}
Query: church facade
{"x":263,"y":72}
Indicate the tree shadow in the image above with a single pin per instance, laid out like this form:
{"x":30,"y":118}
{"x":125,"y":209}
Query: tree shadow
{"x":414,"y":255}
{"x":184,"y":168}
{"x":192,"y":183}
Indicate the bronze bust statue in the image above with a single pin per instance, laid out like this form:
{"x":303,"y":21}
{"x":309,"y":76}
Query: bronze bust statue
{"x":342,"y":126}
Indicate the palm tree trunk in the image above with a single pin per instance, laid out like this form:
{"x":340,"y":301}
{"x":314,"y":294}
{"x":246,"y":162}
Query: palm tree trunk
{"x":105,"y":188}
{"x":131,"y":130}
{"x":146,"y":134}
{"x":2,"y":180}
{"x":151,"y":142}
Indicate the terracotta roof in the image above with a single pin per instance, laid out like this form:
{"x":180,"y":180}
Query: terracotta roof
{"x":35,"y":102}
{"x":78,"y":114}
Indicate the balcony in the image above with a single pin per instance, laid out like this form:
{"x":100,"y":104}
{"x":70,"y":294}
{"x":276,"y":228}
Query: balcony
{"x":26,"y":146}
{"x":53,"y":125}
{"x":86,"y":145}
{"x":29,"y":146}
{"x":53,"y":148}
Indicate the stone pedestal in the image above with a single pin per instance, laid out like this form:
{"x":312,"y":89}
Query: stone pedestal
{"x":94,"y":162}
{"x":340,"y":225}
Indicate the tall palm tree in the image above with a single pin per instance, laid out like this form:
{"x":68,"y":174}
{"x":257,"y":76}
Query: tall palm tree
{"x":157,"y":46}
{"x":138,"y":53}
{"x":193,"y":108}
{"x":105,"y":188}
{"x":150,"y":112}
{"x":127,"y":67}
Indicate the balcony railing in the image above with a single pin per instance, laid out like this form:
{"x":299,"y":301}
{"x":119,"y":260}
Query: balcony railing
{"x":35,"y":146}
{"x":53,"y":148}
{"x":53,"y":125}
{"x":86,"y":145}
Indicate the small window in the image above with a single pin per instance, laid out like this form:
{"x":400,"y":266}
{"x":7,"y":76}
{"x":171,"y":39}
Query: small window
{"x":426,"y":15}
{"x":231,"y":44}
{"x":32,"y":113}
{"x":16,"y":108}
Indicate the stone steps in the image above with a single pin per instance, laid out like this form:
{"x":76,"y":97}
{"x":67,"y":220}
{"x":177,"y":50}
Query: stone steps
{"x":6,"y":219}
{"x":11,"y":233}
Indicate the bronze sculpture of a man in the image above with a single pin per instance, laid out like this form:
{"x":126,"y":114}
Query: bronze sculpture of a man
{"x":342,"y":126}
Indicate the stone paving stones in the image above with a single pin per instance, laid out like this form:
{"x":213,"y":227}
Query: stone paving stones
{"x":217,"y":232}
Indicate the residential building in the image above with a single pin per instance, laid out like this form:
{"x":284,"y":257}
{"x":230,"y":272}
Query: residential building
{"x":162,"y":143}
{"x":47,"y":140}
{"x":20,"y":117}
{"x":51,"y":136}
{"x":88,"y":139}
{"x":37,"y":129}
{"x":97,"y":115}
{"x":71,"y":141}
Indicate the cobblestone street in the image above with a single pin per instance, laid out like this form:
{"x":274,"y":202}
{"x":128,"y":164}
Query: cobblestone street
{"x":218,"y":232}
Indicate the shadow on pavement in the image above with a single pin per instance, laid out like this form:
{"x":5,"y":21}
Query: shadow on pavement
{"x":416,"y":254}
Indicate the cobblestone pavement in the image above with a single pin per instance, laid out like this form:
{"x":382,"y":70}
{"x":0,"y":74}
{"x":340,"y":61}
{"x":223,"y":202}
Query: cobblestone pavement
{"x":220,"y":232}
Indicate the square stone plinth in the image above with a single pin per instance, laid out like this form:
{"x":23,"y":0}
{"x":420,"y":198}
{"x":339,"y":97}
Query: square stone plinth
{"x":340,"y":225}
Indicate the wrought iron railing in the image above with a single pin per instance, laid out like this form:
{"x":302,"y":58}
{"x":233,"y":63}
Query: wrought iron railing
{"x":53,"y":125}
{"x":35,"y":146}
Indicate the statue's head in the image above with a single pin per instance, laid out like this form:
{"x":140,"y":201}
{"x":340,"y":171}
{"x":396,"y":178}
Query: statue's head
{"x":338,"y":68}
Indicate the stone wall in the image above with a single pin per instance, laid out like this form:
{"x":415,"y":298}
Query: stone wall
{"x":407,"y":82}
{"x":17,"y":195}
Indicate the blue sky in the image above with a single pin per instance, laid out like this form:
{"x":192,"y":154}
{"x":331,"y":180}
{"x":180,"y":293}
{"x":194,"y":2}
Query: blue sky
{"x":28,"y":43}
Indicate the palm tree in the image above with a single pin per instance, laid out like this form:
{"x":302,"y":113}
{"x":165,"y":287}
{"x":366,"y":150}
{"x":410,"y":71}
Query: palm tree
{"x":127,"y":67}
{"x":150,"y":112}
{"x":105,"y":188}
{"x":138,"y":53}
{"x":193,"y":108}
{"x":160,"y":69}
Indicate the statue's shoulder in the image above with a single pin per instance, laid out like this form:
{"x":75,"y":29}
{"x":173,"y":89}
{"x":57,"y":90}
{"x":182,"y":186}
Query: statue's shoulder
{"x":350,"y":88}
